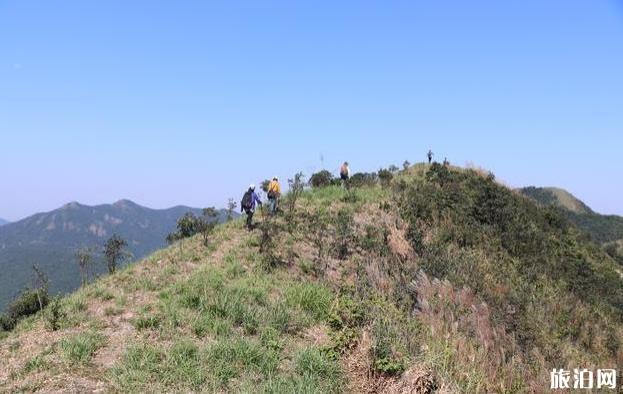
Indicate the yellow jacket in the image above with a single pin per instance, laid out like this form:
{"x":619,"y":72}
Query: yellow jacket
{"x":275,"y":188}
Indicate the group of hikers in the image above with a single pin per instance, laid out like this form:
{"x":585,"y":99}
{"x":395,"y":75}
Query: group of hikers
{"x":251,"y":199}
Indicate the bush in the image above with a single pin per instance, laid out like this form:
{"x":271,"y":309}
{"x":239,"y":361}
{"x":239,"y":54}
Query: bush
{"x":264,"y":185}
{"x":345,"y":235}
{"x":363,"y":179}
{"x":387,"y":358}
{"x":28,"y":303}
{"x":54,"y":314}
{"x":269,"y":232}
{"x":321,"y":179}
{"x":385,"y":176}
{"x":514,"y":255}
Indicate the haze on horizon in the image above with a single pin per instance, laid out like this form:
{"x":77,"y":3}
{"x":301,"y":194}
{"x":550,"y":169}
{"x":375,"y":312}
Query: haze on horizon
{"x":169,"y":103}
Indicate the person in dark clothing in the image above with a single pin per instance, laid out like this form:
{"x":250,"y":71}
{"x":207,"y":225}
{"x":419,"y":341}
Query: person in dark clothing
{"x":430,"y":156}
{"x":247,"y":205}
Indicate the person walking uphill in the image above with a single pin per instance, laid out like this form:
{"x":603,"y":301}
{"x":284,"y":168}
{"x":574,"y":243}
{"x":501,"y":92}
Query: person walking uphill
{"x":274,"y":192}
{"x":248,"y":205}
{"x":344,"y":173}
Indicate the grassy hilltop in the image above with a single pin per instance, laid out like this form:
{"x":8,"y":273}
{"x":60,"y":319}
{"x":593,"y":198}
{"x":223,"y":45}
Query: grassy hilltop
{"x":432,"y":279}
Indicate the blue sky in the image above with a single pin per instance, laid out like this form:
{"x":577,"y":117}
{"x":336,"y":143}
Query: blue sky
{"x":187,"y":102}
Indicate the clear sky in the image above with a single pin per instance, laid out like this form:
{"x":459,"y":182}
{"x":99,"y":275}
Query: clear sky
{"x":187,"y":102}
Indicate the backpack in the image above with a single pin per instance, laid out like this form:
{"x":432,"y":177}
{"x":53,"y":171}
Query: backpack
{"x":247,"y":200}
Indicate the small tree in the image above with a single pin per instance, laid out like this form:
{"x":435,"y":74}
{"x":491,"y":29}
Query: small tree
{"x":264,"y":185}
{"x":54,"y":314}
{"x":319,"y":232}
{"x":269,"y":231}
{"x":40,"y":285}
{"x":187,"y":226}
{"x":114,"y":252}
{"x":393,"y":168}
{"x":321,"y":179}
{"x":231,"y":207}
{"x":385,"y":176}
{"x":406,"y":165}
{"x":296,"y":188}
{"x":206,"y":223}
{"x":84,"y":258}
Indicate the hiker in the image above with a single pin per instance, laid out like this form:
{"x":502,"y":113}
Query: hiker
{"x":446,"y":163}
{"x":274,"y":192}
{"x":248,"y":205}
{"x":344,"y":173}
{"x":430,"y":156}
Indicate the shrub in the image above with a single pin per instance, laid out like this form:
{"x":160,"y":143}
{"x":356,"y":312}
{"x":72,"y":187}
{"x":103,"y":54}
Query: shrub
{"x":206,"y":223}
{"x":321,"y":179}
{"x":269,"y":232}
{"x":190,"y":225}
{"x":264,"y":185}
{"x":318,"y":230}
{"x":387,"y":358}
{"x":522,"y":260}
{"x":363,"y":179}
{"x":27,"y":303}
{"x":344,"y":236}
{"x":54,"y":314}
{"x":296,"y":188}
{"x":385,"y":176}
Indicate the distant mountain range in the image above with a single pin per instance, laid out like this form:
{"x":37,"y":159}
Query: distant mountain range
{"x":603,"y":228}
{"x":3,"y":222}
{"x":51,"y":239}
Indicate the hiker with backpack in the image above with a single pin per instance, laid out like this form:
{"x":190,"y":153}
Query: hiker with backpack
{"x":274,"y":192}
{"x":247,"y":205}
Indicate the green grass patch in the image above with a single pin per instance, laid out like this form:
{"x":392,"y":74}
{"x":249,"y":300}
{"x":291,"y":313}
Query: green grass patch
{"x":80,"y":347}
{"x":310,"y":297}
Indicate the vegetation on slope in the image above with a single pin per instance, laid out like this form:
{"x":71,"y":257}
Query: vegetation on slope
{"x":602,"y":228}
{"x":50,"y":240}
{"x":433,"y":278}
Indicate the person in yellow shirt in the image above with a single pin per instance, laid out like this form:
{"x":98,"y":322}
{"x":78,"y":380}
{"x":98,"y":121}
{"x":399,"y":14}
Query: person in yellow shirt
{"x":274,"y":192}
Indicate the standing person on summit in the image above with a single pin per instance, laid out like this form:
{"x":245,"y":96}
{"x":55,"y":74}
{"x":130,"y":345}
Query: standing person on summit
{"x":430,"y":156}
{"x":344,"y":173}
{"x":248,"y":205}
{"x":274,"y":192}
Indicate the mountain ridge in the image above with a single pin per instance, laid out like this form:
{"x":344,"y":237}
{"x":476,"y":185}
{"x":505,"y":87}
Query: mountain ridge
{"x":602,"y":228}
{"x":49,"y":239}
{"x":438,"y":278}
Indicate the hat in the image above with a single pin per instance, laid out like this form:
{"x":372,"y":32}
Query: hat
{"x":252,"y":186}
